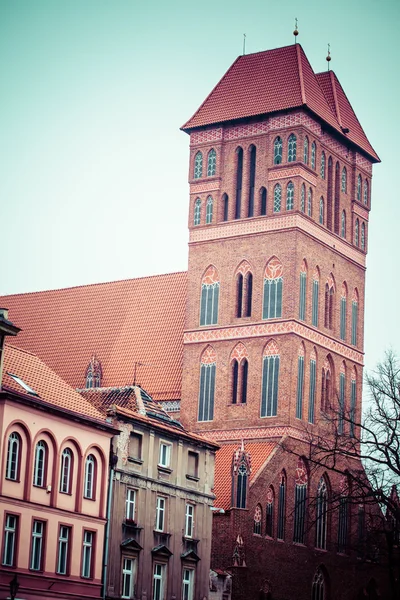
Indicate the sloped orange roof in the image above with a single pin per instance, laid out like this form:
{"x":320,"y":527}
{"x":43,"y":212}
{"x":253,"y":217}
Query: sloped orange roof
{"x":124,"y":322}
{"x":267,"y":82}
{"x":47,"y":385}
{"x":259,"y":453}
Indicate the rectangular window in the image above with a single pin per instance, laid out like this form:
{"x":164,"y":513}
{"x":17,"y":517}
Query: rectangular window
{"x":300,"y":385}
{"x":128,"y":578}
{"x":315,"y":295}
{"x":63,"y":550}
{"x":342,"y":318}
{"x":158,"y":582}
{"x":311,"y":396}
{"x":193,"y":464}
{"x":189,"y":520}
{"x":10,"y":540}
{"x":130,"y":505}
{"x":135,"y":446}
{"x":87,"y":554}
{"x":188,"y":584}
{"x":302,"y":304}
{"x":272,"y":303}
{"x":160,"y":513}
{"x":269,"y":399}
{"x":37,"y":547}
{"x":165,"y":455}
{"x":209,"y":304}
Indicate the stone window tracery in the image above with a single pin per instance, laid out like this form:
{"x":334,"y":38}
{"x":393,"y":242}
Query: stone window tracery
{"x":277,"y":198}
{"x":277,"y":150}
{"x":292,"y":143}
{"x":211,"y":163}
{"x":290,"y":196}
{"x":198,"y":166}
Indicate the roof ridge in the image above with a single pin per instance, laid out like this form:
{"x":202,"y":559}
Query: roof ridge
{"x":7,"y":345}
{"x":300,"y":67}
{"x":337,"y":107}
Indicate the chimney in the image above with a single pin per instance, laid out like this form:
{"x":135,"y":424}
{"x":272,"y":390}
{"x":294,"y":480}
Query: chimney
{"x":6,"y":328}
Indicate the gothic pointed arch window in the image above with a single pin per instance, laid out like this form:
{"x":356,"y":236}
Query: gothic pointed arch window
{"x":277,"y":197}
{"x":303,"y":291}
{"x":353,"y":402}
{"x":240,"y":368}
{"x":366,"y":193}
{"x":326,"y":385}
{"x":303,"y":198}
{"x":209,"y":297}
{"x":313,"y":387}
{"x":241,"y":470}
{"x":66,"y":471}
{"x":263,"y":201}
{"x":94,"y":373}
{"x":197,"y":212}
{"x":273,"y":286}
{"x":343,"y":311}
{"x":343,"y":226}
{"x":300,"y":499}
{"x":321,"y":515}
{"x":342,"y":398}
{"x":344,"y":180}
{"x":323,"y":165}
{"x":281,"y":526}
{"x":318,"y":586}
{"x":198,"y":165}
{"x":269,"y":510}
{"x":208,"y":366}
{"x":209,"y":210}
{"x":211,"y":163}
{"x":300,"y":382}
{"x":225,"y":205}
{"x":292,"y":143}
{"x":14,"y":447}
{"x":290,"y":196}
{"x":359,"y":187}
{"x":244,"y":290}
{"x":362,"y":236}
{"x":356,"y":233}
{"x":270,"y":380}
{"x":354,"y":318}
{"x":252,"y":180}
{"x":90,"y":477}
{"x":313,"y":155}
{"x":329,"y":301}
{"x":309,"y":202}
{"x":40,"y":464}
{"x":321,"y":211}
{"x":277,"y":150}
{"x":343,"y":516}
{"x":257,"y":523}
{"x":306,"y":150}
{"x":315,"y":298}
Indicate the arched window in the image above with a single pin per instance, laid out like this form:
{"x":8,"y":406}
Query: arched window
{"x":90,"y":477}
{"x":209,"y":210}
{"x":321,"y":211}
{"x":343,"y":229}
{"x":207,"y":384}
{"x":359,"y":186}
{"x":269,"y":525}
{"x":211,"y":163}
{"x":313,"y":155}
{"x":13,"y":456}
{"x":362,"y":236}
{"x":240,"y":367}
{"x":342,"y":398}
{"x":209,"y":297}
{"x":326,"y":391}
{"x":344,"y":180}
{"x":66,"y":472}
{"x":337,"y":200}
{"x":198,"y":165}
{"x":240,"y":477}
{"x":300,"y":383}
{"x":315,"y":298}
{"x":252,"y":179}
{"x":277,"y":197}
{"x":323,"y":165}
{"x":280,"y":533}
{"x":300,"y":499}
{"x":263,"y":201}
{"x":318,"y":586}
{"x":292,"y":148}
{"x":356,"y":233}
{"x":303,"y":198}
{"x":313,"y":383}
{"x":244,"y":290}
{"x":273,"y":284}
{"x":197,"y":212}
{"x":239,"y":178}
{"x":277,"y":151}
{"x":289,"y":196}
{"x":343,"y":312}
{"x":354,"y":318}
{"x":321,"y":515}
{"x":343,"y":517}
{"x":270,"y":381}
{"x":257,"y":520}
{"x":353,"y":402}
{"x":303,"y":291}
{"x":306,"y":146}
{"x":39,"y":467}
{"x":329,"y":195}
{"x":329,"y":299}
{"x":225,"y":203}
{"x":309,"y":202}
{"x":366,"y":193}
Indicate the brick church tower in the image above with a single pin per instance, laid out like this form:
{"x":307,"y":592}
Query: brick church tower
{"x":280,"y":180}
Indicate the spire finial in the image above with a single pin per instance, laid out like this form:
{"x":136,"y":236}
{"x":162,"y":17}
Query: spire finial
{"x":296,"y":31}
{"x":328,"y":58}
{"x":244,"y":44}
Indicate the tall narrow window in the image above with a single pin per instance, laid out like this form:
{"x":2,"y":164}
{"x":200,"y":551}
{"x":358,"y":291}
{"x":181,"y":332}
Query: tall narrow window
{"x":343,"y":312}
{"x":209,"y":210}
{"x":329,"y":196}
{"x":198,"y":166}
{"x":130,"y":504}
{"x":309,"y":202}
{"x":280,"y":533}
{"x":277,"y":151}
{"x":269,"y":525}
{"x":37,"y":546}
{"x":239,"y":177}
{"x":313,"y":385}
{"x":337,"y":199}
{"x":257,"y":523}
{"x":300,"y":384}
{"x":160,"y":513}
{"x":128,"y":577}
{"x":63,"y":549}
{"x":263,"y":201}
{"x":158,"y":581}
{"x":321,"y":211}
{"x":225,"y":203}
{"x":39,"y":464}
{"x":360,"y":530}
{"x":303,"y":199}
{"x":343,"y":517}
{"x":326,"y":391}
{"x":315,"y":298}
{"x":342,"y":398}
{"x":10,"y":540}
{"x":209,"y":297}
{"x":207,"y":385}
{"x":318,"y":586}
{"x":292,"y":142}
{"x":353,"y":404}
{"x":362,"y":236}
{"x":354,"y":319}
{"x":66,"y":471}
{"x":344,"y":180}
{"x":323,"y":165}
{"x":197,"y":212}
{"x":90,"y":476}
{"x":211,"y":163}
{"x":270,"y":381}
{"x":300,"y":499}
{"x":245,"y":371}
{"x":366,"y":193}
{"x":188,"y":584}
{"x":329,"y":300}
{"x":290,"y":196}
{"x":321,"y":515}
{"x":313,"y":155}
{"x":87,"y":554}
{"x":277,"y":198}
{"x":306,"y":147}
{"x":239,"y":366}
{"x":273,"y":284}
{"x":303,"y":292}
{"x":241,"y":490}
{"x":252,"y":179}
{"x":235,"y":381}
{"x":356,"y":233}
{"x":248,"y":297}
{"x":189,"y":520}
{"x":13,"y":456}
{"x":343,"y":228}
{"x":239,"y":295}
{"x":359,"y":186}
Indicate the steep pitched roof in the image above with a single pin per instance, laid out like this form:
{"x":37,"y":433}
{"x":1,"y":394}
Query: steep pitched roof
{"x":267,"y":82}
{"x":45,"y":384}
{"x":259,"y":453}
{"x":124,"y":322}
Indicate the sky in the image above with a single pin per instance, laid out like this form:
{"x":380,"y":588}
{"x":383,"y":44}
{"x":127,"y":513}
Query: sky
{"x":93,"y":165}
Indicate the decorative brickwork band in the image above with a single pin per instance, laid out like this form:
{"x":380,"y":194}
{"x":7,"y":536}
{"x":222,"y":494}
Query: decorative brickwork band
{"x":208,"y":135}
{"x":240,"y":131}
{"x":209,"y":356}
{"x":364,"y":163}
{"x":360,"y":211}
{"x":204,"y":187}
{"x":274,"y":269}
{"x":290,"y":172}
{"x":221,"y":435}
{"x":239,"y":352}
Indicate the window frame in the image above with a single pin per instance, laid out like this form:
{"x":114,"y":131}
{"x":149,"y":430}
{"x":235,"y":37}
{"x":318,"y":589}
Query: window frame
{"x":10,"y":539}
{"x":88,"y":549}
{"x":189,"y":519}
{"x":63,"y":549}
{"x":198,"y":165}
{"x":161,"y":578}
{"x":38,"y":539}
{"x":211,"y":163}
{"x":161,"y":504}
{"x":188,"y":583}
{"x":13,"y":464}
{"x":89,"y":489}
{"x":128,"y":572}
{"x":164,"y":458}
{"x":66,"y":471}
{"x":130,"y":504}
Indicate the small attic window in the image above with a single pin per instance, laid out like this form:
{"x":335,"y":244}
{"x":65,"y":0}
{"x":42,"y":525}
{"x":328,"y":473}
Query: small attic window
{"x":22,"y":383}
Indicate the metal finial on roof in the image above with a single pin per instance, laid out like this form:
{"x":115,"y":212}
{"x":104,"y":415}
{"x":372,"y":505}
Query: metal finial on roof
{"x":244,"y":44}
{"x":295,"y":32}
{"x":328,"y":58}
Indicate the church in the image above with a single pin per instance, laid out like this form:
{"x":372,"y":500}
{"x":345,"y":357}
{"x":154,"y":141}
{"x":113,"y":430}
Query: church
{"x":262,"y":338}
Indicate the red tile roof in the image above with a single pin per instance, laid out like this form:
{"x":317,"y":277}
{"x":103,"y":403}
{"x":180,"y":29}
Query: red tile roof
{"x":271,"y":81}
{"x":123,"y":322}
{"x":259,"y":453}
{"x":42,"y":380}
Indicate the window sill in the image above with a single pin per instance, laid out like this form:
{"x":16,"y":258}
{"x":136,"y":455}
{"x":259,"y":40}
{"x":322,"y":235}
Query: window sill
{"x":192,"y":477}
{"x":91,"y":499}
{"x":137,"y":461}
{"x":163,"y":469}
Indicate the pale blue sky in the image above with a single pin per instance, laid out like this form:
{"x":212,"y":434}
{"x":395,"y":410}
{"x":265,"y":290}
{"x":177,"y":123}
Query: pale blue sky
{"x":93,"y":181}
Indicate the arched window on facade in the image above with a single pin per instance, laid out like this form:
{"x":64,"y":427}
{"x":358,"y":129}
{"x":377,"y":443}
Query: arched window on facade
{"x":353,"y":402}
{"x":90,"y":477}
{"x":225,"y":204}
{"x":366,"y":193}
{"x":356,"y":233}
{"x":280,"y":532}
{"x":197,"y":212}
{"x":303,"y":198}
{"x":329,"y":196}
{"x":326,"y":387}
{"x":273,"y":286}
{"x":321,"y":211}
{"x":313,"y":386}
{"x":240,"y":370}
{"x":300,"y":383}
{"x":313,"y":155}
{"x":343,"y":516}
{"x":263,"y":201}
{"x":14,"y":448}
{"x":300,"y":499}
{"x":209,"y":210}
{"x":209,"y":297}
{"x":289,"y":196}
{"x":343,"y":312}
{"x":343,"y":226}
{"x":39,"y":466}
{"x":66,"y":471}
{"x":321,"y":515}
{"x":329,"y":302}
{"x":337,"y":200}
{"x":208,"y":366}
{"x":241,"y":469}
{"x":269,"y":510}
{"x":342,"y":398}
{"x":211,"y":163}
{"x":257,"y":520}
{"x":315,"y":298}
{"x":309,"y":202}
{"x":344,"y":180}
{"x":252,"y":179}
{"x":306,"y":149}
{"x":303,"y":291}
{"x":318,"y":586}
{"x":362,"y":236}
{"x":277,"y":150}
{"x":277,"y":198}
{"x":239,"y":180}
{"x":354,"y":318}
{"x":323,"y":165}
{"x":270,"y":380}
{"x":292,"y":142}
{"x":198,"y":165}
{"x":359,"y":186}
{"x":244,"y":290}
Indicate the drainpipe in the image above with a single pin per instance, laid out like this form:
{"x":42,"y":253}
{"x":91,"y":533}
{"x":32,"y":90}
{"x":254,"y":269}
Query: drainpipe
{"x":113,"y":462}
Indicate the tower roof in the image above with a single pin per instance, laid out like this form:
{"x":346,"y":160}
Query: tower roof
{"x":277,"y":80}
